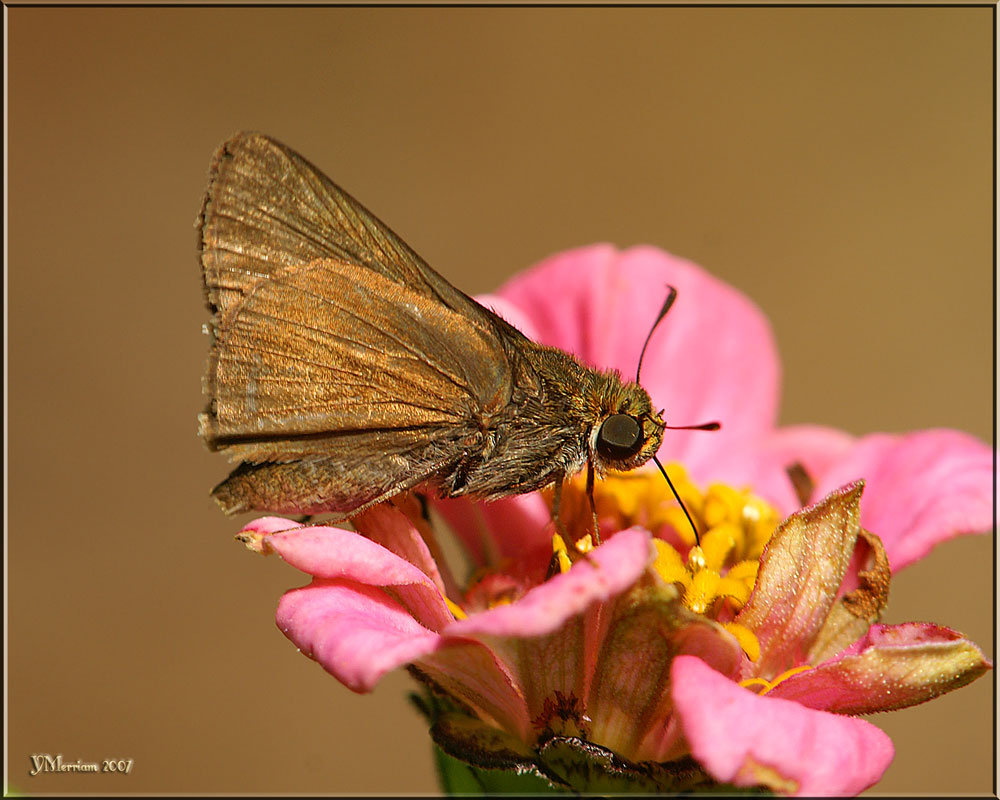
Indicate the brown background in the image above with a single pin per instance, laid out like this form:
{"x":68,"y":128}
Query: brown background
{"x":835,"y":164}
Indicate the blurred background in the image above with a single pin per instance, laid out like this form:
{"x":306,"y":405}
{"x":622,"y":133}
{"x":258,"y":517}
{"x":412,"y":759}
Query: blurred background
{"x":835,"y":164}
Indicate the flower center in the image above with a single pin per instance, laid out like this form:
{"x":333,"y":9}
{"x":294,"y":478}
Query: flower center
{"x":716,"y":577}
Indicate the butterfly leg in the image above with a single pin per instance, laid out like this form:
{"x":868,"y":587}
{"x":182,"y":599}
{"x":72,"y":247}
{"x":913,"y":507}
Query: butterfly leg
{"x":425,"y":508}
{"x":593,"y":505}
{"x":560,"y":528}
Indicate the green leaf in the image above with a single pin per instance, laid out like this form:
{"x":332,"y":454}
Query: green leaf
{"x":458,"y":778}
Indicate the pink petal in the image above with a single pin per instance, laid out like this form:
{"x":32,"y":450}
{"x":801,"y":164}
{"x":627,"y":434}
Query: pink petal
{"x":892,"y":667}
{"x":474,"y":672}
{"x":815,"y":447}
{"x":390,"y":527}
{"x":505,"y":528}
{"x":713,"y":358}
{"x":335,"y":553}
{"x":920,"y":489}
{"x":327,"y":552}
{"x":547,"y":638}
{"x":608,"y":571}
{"x":630,"y":702}
{"x":748,"y":740}
{"x":355,"y":632}
{"x":553,"y":665}
{"x":800,"y":572}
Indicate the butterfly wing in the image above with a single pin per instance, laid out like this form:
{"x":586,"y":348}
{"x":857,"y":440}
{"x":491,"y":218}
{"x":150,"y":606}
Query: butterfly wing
{"x":343,"y":369}
{"x":344,"y":387}
{"x":268,"y":208}
{"x":326,"y":348}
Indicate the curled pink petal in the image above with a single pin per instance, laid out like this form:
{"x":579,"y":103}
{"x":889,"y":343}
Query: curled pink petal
{"x":920,"y":489}
{"x":355,"y":632}
{"x":391,"y":528}
{"x":749,"y":740}
{"x":607,"y":571}
{"x":335,"y":553}
{"x":891,"y":667}
{"x":799,"y":574}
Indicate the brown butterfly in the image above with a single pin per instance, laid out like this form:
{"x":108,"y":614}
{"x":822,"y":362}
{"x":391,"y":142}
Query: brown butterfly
{"x":344,"y":370}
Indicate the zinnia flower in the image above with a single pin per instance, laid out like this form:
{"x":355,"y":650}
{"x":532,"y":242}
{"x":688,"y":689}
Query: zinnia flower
{"x":651,"y":662}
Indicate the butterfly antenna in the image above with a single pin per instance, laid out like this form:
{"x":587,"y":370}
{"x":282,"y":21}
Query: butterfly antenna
{"x":663,"y":312}
{"x":706,"y":426}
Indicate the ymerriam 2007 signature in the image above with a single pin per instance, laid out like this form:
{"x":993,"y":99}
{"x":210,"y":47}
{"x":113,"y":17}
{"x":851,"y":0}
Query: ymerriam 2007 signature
{"x":46,"y":762}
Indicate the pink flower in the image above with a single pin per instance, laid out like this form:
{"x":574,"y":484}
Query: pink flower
{"x":631,"y":667}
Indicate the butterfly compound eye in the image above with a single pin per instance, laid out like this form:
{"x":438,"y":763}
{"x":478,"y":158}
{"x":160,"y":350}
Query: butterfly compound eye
{"x":619,"y":437}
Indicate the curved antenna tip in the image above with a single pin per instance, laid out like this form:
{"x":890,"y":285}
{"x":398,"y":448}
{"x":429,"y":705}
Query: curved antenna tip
{"x":671,"y":296}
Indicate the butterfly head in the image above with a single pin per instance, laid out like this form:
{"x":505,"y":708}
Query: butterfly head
{"x":628,"y":433}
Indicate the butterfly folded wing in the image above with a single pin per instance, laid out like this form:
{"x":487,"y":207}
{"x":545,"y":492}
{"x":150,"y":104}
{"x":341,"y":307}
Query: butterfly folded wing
{"x":343,"y":368}
{"x":336,"y":387}
{"x":268,"y":208}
